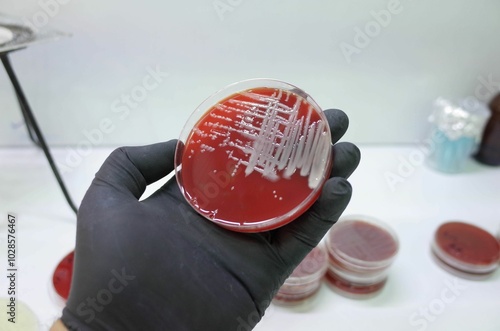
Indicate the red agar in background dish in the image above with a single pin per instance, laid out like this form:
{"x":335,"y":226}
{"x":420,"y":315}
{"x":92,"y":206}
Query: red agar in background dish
{"x":256,"y":160}
{"x":363,"y":241}
{"x":305,"y":280}
{"x":360,"y":253}
{"x":62,"y":276}
{"x":351,"y":287}
{"x":466,"y":248}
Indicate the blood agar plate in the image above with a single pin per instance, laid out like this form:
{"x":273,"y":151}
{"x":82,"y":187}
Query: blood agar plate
{"x":254,"y":156}
{"x":466,"y":248}
{"x":61,"y":279}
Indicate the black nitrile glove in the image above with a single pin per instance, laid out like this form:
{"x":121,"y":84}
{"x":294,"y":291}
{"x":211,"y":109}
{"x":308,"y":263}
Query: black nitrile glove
{"x":158,"y":265}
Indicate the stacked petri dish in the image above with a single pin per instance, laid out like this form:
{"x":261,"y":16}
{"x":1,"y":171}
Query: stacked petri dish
{"x":305,"y":281}
{"x":466,"y":250}
{"x":360,"y":251}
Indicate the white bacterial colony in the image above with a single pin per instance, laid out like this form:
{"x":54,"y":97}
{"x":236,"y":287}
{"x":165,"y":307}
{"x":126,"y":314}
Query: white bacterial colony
{"x":278,"y":142}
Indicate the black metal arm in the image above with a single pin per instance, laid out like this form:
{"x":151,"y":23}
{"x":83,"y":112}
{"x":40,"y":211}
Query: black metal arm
{"x":34,"y":131}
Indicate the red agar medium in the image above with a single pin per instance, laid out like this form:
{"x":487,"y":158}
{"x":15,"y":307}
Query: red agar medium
{"x":363,"y":241}
{"x":62,"y":276}
{"x":352,"y":288}
{"x":256,"y":159}
{"x":466,"y":247}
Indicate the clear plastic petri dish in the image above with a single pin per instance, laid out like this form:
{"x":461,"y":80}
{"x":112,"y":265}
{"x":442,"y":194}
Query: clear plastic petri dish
{"x":466,"y":248}
{"x":361,"y":250}
{"x":305,"y":281}
{"x":19,"y":316}
{"x":254,"y":156}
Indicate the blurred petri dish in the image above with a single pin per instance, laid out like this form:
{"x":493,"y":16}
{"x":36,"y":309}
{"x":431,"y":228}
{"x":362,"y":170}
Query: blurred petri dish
{"x":361,"y":250}
{"x":305,"y":280}
{"x":24,"y":318}
{"x":254,"y":156}
{"x":466,"y":248}
{"x":61,"y":278}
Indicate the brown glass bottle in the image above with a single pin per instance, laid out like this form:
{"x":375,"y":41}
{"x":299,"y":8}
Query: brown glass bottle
{"x":489,"y":150}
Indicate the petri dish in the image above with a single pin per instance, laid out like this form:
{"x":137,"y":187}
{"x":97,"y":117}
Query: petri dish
{"x":254,"y":156}
{"x":360,"y":251}
{"x":61,"y":278}
{"x":352,"y":289}
{"x":466,"y":248}
{"x":305,"y":280}
{"x":24,"y":318}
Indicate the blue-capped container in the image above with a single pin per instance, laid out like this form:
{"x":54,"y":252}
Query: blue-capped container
{"x":456,"y":132}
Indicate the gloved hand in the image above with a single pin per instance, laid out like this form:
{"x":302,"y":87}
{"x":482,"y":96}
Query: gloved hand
{"x":158,"y":265}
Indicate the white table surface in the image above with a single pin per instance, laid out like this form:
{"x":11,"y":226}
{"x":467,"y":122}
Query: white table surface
{"x":411,"y":300}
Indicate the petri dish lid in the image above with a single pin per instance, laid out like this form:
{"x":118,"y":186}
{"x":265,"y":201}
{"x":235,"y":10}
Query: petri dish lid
{"x":254,"y":156}
{"x":362,"y":241}
{"x":466,"y":248}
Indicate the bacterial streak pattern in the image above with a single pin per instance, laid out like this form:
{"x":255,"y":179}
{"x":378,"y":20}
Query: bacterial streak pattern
{"x":277,"y":139}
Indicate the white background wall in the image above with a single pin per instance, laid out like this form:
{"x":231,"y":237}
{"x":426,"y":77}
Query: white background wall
{"x":427,"y":49}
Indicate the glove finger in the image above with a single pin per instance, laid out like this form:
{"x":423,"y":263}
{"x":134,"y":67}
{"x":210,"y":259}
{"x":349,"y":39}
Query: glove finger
{"x":128,"y":170}
{"x":294,"y":240}
{"x":346,"y":157}
{"x":338,"y":121}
